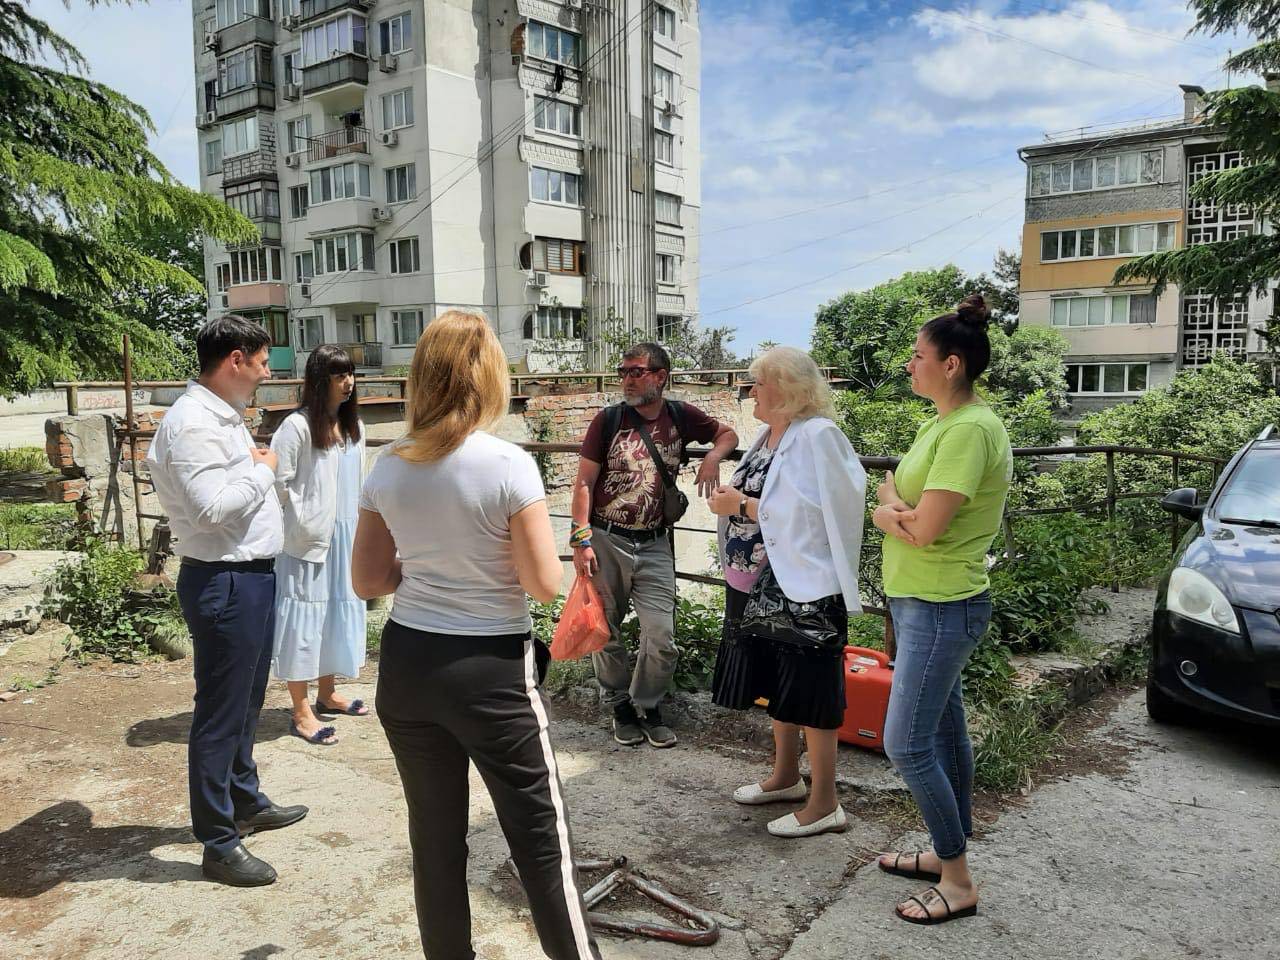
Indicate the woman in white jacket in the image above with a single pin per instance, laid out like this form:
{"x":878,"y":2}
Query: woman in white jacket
{"x":790,"y":537}
{"x":320,"y":622}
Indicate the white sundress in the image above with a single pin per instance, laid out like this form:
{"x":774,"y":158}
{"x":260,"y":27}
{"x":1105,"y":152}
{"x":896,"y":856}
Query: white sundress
{"x":320,"y":622}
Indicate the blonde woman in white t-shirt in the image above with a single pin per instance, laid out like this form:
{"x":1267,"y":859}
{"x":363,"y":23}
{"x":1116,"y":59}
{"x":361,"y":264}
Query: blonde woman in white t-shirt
{"x":454,"y":521}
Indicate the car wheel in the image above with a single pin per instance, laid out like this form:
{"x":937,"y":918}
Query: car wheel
{"x":1162,"y":708}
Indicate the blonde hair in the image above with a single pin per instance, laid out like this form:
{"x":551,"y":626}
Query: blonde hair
{"x":805,"y":393}
{"x":457,"y":383}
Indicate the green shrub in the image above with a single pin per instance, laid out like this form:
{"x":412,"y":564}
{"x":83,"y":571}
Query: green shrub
{"x":24,"y":460}
{"x":97,"y":596}
{"x":1015,"y":731}
{"x":38,"y":526}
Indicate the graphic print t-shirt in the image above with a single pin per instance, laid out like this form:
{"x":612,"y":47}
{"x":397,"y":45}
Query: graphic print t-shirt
{"x":628,"y":491}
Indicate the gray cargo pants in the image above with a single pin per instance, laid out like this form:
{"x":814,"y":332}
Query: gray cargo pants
{"x":644,"y":575}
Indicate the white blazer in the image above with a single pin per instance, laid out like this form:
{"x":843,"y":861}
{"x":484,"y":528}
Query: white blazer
{"x":307,"y":483}
{"x":811,"y":512}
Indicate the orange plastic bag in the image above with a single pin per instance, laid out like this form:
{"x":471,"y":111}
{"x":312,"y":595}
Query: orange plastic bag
{"x":583,"y":628}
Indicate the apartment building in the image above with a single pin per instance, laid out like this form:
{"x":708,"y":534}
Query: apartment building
{"x":535,"y":159}
{"x":1099,"y":197}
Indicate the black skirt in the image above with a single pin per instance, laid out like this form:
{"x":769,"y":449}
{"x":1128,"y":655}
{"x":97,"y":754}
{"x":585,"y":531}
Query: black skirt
{"x":803,"y":685}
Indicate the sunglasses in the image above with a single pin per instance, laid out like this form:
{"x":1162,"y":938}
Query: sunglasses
{"x":634,"y":373}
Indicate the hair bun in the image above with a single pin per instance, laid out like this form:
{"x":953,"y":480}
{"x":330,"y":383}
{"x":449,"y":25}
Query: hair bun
{"x":973,"y":311}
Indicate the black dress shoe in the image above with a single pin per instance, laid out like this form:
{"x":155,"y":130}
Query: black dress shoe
{"x":271,"y":818}
{"x":239,"y":868}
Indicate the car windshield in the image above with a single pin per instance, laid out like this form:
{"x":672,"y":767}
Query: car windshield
{"x":1252,"y":494}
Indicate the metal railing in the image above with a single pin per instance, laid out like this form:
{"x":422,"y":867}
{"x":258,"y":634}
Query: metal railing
{"x":335,"y":143}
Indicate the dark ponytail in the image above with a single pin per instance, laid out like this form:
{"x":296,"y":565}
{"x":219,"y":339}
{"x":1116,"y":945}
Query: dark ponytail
{"x":963,"y":334}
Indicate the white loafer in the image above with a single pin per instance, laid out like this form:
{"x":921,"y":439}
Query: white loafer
{"x":752,"y":795}
{"x":790,"y":828}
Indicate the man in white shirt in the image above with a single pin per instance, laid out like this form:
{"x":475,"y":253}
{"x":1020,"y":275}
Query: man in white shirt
{"x":218,"y":490}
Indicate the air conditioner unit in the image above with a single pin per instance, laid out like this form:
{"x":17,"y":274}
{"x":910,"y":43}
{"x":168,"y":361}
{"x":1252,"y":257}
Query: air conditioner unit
{"x":387,"y":62}
{"x":382,"y":214}
{"x":668,"y":109}
{"x":211,"y":40}
{"x":293,"y":160}
{"x":304,"y":291}
{"x":389,"y":138}
{"x":292,"y":91}
{"x":210,"y":117}
{"x":290,"y":21}
{"x":537,"y":278}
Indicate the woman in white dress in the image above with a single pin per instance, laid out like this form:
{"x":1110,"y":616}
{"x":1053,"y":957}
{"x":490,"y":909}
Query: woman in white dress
{"x":320,"y":622}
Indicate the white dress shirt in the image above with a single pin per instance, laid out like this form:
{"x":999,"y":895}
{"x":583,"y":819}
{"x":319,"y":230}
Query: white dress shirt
{"x":220,"y":503}
{"x":307,"y":484}
{"x":811,"y":512}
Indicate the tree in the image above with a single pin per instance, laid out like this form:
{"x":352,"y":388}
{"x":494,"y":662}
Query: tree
{"x":1249,"y":120}
{"x":1001,"y":289}
{"x":78,"y":188}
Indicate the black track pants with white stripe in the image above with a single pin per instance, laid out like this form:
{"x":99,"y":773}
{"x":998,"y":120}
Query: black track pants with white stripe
{"x":444,"y":700}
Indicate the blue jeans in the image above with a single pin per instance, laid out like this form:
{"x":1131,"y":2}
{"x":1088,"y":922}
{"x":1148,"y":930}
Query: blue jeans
{"x":924,"y":733}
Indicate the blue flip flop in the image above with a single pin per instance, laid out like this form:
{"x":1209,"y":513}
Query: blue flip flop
{"x":354,"y":709}
{"x":318,"y":738}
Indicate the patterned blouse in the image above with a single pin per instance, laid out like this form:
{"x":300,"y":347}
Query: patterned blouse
{"x":744,"y":543}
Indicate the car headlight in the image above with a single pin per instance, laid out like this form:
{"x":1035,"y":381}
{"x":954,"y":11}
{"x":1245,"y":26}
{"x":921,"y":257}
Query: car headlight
{"x":1193,"y":595}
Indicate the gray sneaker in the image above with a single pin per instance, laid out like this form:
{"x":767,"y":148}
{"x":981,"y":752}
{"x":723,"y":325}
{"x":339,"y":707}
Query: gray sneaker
{"x":655,"y":731}
{"x":626,"y":725}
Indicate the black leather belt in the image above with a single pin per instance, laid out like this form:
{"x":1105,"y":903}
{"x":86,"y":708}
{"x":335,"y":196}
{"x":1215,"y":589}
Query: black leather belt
{"x":235,"y":566}
{"x":635,"y":536}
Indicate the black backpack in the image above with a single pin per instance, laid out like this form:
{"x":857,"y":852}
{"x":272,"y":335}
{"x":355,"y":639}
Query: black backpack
{"x":613,"y":423}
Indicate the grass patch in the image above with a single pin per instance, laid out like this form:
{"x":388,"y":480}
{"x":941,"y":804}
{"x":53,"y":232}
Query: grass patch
{"x":375,"y":621}
{"x":563,"y":675}
{"x":24,"y":460}
{"x":37,"y":526}
{"x":1015,"y":732}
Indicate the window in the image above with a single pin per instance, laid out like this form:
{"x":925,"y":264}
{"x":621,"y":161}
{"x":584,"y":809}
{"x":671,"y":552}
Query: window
{"x":404,"y":255}
{"x":397,"y":109}
{"x":666,"y":208}
{"x":297,"y":133}
{"x":1103,"y":310}
{"x":222,"y":283}
{"x":345,"y":251}
{"x":342,"y":182}
{"x":406,"y":327}
{"x":402,"y":183}
{"x":1097,"y":173}
{"x":304,"y":266}
{"x":292,"y":63}
{"x":244,"y":68}
{"x":395,"y":35}
{"x":364,"y":327}
{"x":231,"y":12}
{"x":664,"y":147}
{"x":310,"y":332}
{"x":1112,"y":378}
{"x":669,"y":325}
{"x":334,"y":38}
{"x":664,"y":84}
{"x":555,"y":186}
{"x":551,"y":43}
{"x":257,"y":200}
{"x":1091,"y":242}
{"x":668,"y":268}
{"x":560,"y":323}
{"x":554,"y":255}
{"x":664,"y":22}
{"x":556,"y":116}
{"x":212,"y":156}
{"x":298,"y":202}
{"x":239,"y":137}
{"x":260,"y":265}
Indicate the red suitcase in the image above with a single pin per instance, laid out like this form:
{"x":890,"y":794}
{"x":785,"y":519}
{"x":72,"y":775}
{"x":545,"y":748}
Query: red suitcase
{"x":867,"y":679}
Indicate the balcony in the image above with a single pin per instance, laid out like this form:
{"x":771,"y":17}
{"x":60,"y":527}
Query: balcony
{"x":257,"y":96}
{"x":249,"y":30}
{"x":252,"y":296}
{"x":338,"y":84}
{"x":310,"y":9}
{"x":249,"y":166}
{"x":364,"y":354}
{"x":335,"y":143}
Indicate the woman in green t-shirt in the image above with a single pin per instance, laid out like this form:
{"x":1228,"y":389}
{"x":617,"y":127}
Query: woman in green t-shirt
{"x":940,"y":511}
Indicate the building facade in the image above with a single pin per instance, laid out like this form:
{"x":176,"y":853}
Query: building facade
{"x":534,"y":159}
{"x":1096,"y":200}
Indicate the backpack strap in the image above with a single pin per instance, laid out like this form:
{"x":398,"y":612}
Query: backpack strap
{"x":675,"y":410}
{"x":612,"y":423}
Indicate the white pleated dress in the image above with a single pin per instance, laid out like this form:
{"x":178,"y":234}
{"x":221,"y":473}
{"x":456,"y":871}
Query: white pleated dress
{"x":320,"y":622}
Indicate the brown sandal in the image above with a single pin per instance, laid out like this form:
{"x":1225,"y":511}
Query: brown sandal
{"x":914,"y":873}
{"x":929,"y":919}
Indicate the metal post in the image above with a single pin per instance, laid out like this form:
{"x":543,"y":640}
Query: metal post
{"x":1173,"y":517}
{"x":600,"y":384}
{"x":1111,"y":517}
{"x":131,"y":437}
{"x":1006,"y":524}
{"x":73,"y":399}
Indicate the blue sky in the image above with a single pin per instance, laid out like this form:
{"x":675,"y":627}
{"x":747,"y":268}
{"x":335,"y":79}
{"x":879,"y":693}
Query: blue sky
{"x":844,"y":143}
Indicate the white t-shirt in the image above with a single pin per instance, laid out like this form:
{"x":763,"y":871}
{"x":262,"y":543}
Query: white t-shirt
{"x":451,"y":521}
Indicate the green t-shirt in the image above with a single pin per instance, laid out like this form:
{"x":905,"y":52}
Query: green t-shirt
{"x":967,"y":452}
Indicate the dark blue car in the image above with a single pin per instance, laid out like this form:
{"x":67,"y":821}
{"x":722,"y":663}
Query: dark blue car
{"x":1215,"y":645}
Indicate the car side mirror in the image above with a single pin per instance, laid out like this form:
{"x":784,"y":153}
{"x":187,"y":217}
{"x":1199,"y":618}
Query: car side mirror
{"x":1183,"y":503}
